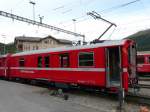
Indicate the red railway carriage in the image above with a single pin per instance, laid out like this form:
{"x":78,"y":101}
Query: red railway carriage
{"x":4,"y":63}
{"x":143,"y":60}
{"x":104,"y":65}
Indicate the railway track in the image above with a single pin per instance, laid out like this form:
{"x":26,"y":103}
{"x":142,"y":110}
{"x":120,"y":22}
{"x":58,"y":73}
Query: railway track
{"x":130,"y":97}
{"x":144,"y":78}
{"x":144,"y":86}
{"x":140,"y":99}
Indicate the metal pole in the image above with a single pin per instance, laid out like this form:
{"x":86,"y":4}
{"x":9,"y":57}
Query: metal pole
{"x":41,"y":18}
{"x":33,"y":3}
{"x":121,"y":93}
{"x":19,"y":18}
{"x":84,"y":43}
{"x":74,"y":21}
{"x":4,"y":49}
{"x":121,"y":99}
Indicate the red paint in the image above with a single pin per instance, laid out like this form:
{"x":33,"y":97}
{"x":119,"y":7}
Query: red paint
{"x":88,"y":78}
{"x":144,"y":67}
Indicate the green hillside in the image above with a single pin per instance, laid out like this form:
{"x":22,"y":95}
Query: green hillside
{"x":1,"y":48}
{"x":142,"y":39}
{"x":9,"y":48}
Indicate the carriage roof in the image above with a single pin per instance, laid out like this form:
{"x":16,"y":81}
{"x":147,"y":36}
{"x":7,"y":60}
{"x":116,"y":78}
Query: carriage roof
{"x":103,"y":44}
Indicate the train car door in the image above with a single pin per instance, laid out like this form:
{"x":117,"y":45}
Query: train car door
{"x":132,"y":60}
{"x":5,"y":68}
{"x":113,"y":67}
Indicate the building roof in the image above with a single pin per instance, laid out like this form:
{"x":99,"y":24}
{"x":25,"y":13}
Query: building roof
{"x":38,"y":39}
{"x":65,"y":41}
{"x":30,"y":39}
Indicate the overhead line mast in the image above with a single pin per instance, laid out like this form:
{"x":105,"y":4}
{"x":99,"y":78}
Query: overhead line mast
{"x":19,"y":18}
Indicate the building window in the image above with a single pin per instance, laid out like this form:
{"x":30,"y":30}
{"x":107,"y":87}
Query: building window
{"x":50,"y":41}
{"x":140,"y":59}
{"x":37,"y":47}
{"x":46,"y":61}
{"x":46,"y":41}
{"x":28,"y":47}
{"x":21,"y":62}
{"x":86,"y":59}
{"x":39,"y":61}
{"x":64,"y":60}
{"x":20,"y":47}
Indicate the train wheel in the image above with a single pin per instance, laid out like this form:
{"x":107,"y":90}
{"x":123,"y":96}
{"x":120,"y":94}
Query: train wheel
{"x":66,"y":97}
{"x":33,"y":82}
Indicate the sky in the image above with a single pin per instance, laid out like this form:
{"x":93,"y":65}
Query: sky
{"x":130,"y":16}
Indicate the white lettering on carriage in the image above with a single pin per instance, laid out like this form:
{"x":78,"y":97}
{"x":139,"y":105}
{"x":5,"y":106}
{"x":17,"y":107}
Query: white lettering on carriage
{"x":26,"y":71}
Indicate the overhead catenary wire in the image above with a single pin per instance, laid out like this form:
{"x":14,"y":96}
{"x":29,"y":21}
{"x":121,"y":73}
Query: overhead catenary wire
{"x":125,"y":31}
{"x":73,"y":4}
{"x":104,"y":11}
{"x":79,"y":19}
{"x":119,"y":6}
{"x":84,"y":17}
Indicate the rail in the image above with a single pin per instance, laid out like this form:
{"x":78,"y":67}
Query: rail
{"x":144,"y":78}
{"x":144,"y":86}
{"x":140,"y":99}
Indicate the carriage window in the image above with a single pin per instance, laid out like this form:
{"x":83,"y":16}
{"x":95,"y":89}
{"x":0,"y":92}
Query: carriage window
{"x":140,"y":59}
{"x":46,"y":61}
{"x":86,"y":59}
{"x":39,"y":61}
{"x":64,"y":60}
{"x":21,"y":62}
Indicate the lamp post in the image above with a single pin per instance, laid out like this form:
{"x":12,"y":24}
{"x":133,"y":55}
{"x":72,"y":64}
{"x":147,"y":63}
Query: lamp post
{"x":33,"y":3}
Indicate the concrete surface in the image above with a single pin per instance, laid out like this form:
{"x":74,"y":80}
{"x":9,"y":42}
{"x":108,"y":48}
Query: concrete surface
{"x":16,"y":97}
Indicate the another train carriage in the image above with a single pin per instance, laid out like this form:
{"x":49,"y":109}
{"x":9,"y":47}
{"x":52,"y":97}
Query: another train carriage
{"x":143,"y":60}
{"x":105,"y":65}
{"x":4,"y":65}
